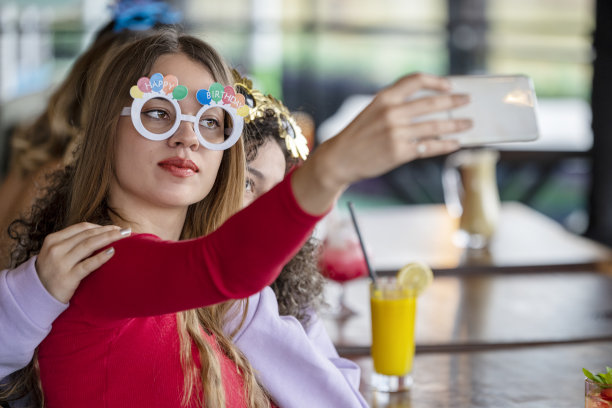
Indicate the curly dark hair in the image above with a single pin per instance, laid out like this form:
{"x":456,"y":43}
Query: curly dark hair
{"x":261,"y":129}
{"x":299,"y":287}
{"x":48,"y":215}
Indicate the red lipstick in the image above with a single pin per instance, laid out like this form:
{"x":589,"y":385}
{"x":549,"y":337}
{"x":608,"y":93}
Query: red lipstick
{"x":179,"y":167}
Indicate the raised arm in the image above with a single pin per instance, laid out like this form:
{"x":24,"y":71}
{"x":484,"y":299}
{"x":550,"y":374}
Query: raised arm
{"x":148,"y":276}
{"x":247,"y":252}
{"x":382,"y":137}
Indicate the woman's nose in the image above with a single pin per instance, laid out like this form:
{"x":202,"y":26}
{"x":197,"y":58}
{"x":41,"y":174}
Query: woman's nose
{"x":186,"y":136}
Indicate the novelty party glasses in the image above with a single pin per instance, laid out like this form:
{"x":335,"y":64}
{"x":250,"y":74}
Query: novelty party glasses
{"x":156,"y":113}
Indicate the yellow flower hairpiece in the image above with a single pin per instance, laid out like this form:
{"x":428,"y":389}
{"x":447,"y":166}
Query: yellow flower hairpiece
{"x":288,"y":128}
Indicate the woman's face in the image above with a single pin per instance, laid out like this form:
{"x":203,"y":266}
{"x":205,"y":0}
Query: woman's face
{"x":265,"y":171}
{"x":172,"y":173}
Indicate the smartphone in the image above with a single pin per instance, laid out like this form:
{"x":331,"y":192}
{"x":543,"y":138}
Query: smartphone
{"x":503,"y":108}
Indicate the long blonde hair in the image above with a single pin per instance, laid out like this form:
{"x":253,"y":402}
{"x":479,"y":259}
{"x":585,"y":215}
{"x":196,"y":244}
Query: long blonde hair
{"x":88,"y":201}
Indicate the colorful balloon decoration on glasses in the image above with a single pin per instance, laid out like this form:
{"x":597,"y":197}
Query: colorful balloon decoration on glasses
{"x":169,"y":84}
{"x":167,"y":87}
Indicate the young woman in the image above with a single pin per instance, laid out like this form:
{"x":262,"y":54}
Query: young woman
{"x":122,"y":324}
{"x":291,"y":356}
{"x":282,"y":333}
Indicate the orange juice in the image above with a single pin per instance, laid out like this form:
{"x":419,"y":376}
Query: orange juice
{"x":393,"y":317}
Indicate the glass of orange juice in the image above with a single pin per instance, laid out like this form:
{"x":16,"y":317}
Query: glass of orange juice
{"x":393,"y":309}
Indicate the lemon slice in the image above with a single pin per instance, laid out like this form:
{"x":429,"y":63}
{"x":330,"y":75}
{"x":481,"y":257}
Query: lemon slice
{"x":416,"y":276}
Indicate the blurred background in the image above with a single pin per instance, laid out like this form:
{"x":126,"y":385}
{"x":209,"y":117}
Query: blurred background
{"x":314,"y":54}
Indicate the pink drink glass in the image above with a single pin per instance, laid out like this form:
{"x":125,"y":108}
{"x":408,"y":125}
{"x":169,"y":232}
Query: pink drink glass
{"x":342,"y":263}
{"x":597,"y":395}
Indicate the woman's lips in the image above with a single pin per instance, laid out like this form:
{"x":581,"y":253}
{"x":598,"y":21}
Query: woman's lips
{"x":179,"y":167}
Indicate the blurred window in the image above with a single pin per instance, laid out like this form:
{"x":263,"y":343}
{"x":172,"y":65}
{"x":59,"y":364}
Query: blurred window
{"x":550,"y":40}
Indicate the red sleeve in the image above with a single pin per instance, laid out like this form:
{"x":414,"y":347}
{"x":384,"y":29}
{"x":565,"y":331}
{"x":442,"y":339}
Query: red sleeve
{"x":148,"y":276}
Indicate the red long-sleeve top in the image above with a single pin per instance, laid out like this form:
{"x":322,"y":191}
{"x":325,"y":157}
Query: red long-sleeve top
{"x":117,"y":344}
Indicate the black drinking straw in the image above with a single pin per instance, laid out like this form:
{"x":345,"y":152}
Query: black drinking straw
{"x":363,"y":249}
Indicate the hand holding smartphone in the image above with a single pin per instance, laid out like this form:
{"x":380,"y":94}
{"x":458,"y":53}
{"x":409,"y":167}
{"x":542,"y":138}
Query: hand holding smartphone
{"x":503,"y":108}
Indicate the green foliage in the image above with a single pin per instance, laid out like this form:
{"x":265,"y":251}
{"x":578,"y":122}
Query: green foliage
{"x":602,"y":378}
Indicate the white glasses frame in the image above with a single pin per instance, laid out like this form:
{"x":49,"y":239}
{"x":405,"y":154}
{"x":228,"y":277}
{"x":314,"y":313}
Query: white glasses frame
{"x":136,"y":108}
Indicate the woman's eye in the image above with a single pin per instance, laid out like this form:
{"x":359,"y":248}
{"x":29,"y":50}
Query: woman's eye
{"x":209,"y":123}
{"x":249,"y":186}
{"x":157,"y":114}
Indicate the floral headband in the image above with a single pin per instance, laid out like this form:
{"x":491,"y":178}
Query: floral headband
{"x":156,"y":114}
{"x":288,"y":128}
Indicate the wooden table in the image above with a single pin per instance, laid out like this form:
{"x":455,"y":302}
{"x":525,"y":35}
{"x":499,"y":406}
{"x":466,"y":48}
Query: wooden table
{"x":525,"y":240}
{"x":507,"y":327}
{"x":491,"y":311}
{"x":533,"y":377}
{"x":494,"y":340}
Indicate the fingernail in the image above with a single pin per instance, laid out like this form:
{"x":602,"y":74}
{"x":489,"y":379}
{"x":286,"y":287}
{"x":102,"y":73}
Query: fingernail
{"x":125,"y":232}
{"x":110,"y":251}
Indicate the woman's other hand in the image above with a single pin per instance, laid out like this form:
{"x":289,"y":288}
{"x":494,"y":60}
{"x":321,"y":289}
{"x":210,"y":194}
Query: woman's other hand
{"x":66,"y":256}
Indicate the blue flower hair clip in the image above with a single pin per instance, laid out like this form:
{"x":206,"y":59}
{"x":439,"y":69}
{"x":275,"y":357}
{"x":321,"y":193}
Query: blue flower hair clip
{"x":139,"y":15}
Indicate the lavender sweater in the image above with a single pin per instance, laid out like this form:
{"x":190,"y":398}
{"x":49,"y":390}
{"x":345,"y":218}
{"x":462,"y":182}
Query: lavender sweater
{"x":315,"y":377}
{"x":298,"y":366}
{"x":26,"y":313}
